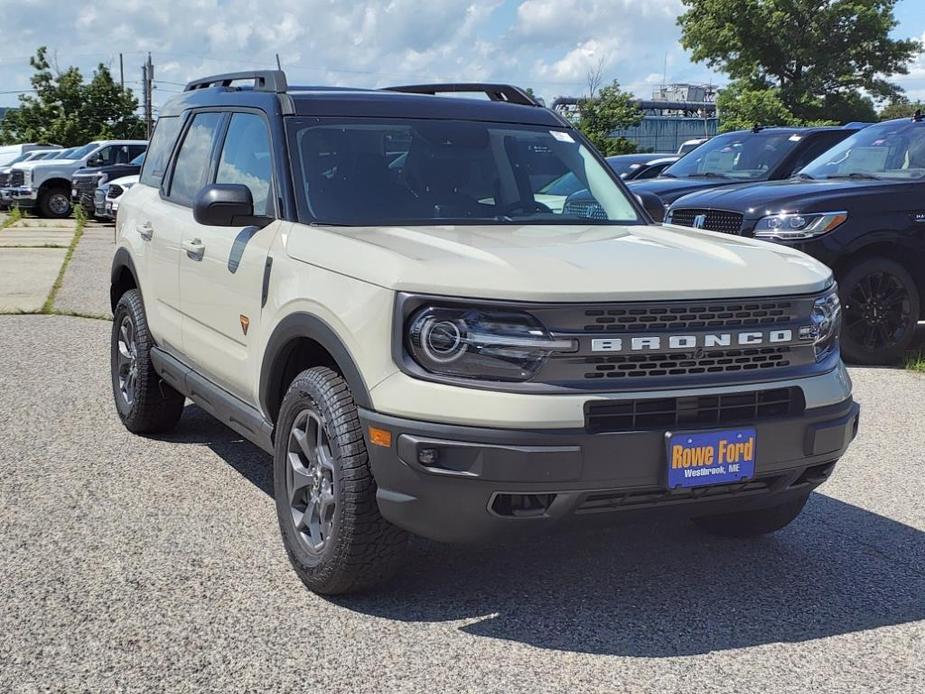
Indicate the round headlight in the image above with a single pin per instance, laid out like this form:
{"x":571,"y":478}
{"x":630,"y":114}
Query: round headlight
{"x":442,"y":340}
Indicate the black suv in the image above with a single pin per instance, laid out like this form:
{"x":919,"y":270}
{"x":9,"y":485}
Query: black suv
{"x":125,"y":161}
{"x":859,"y":208}
{"x":760,"y":154}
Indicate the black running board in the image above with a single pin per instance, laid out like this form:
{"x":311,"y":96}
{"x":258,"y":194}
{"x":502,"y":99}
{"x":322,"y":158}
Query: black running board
{"x":218,"y":402}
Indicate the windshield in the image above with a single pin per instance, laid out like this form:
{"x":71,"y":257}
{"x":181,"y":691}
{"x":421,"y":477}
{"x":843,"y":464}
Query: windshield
{"x":747,"y":156}
{"x":81,"y":152}
{"x":894,"y":150}
{"x":376,"y":172}
{"x":63,"y":154}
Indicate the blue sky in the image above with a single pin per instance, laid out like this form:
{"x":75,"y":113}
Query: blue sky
{"x":545,"y":44}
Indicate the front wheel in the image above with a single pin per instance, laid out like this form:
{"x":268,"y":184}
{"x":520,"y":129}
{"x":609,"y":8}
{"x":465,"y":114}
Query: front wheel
{"x":754,"y":523}
{"x":881,"y":311}
{"x":55,"y":203}
{"x":325,"y":492}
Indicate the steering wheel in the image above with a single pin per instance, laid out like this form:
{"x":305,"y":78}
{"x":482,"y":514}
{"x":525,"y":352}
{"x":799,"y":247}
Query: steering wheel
{"x":524,"y":206}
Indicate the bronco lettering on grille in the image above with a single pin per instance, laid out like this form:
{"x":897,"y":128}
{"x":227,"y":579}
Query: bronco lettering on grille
{"x":672,"y":343}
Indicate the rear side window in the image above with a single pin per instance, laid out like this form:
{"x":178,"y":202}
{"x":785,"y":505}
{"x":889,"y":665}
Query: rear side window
{"x":165,"y":135}
{"x":191,"y":172}
{"x":246,"y":158}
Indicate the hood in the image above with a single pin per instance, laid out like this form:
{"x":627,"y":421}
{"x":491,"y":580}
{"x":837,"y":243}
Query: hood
{"x":124,"y":181}
{"x":42,"y":164}
{"x":670,"y":189}
{"x":112,"y":171}
{"x":559,"y":263}
{"x":756,"y":200}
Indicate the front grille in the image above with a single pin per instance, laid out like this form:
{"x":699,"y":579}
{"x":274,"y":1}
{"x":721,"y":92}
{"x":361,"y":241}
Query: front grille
{"x":584,"y":209}
{"x":693,"y":411}
{"x":713,"y":220}
{"x":17,"y":178}
{"x":690,"y":316}
{"x":684,"y":363}
{"x":4,"y":180}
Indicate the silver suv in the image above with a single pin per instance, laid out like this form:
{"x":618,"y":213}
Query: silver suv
{"x":365,"y":284}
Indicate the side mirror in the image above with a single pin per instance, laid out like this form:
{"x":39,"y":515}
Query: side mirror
{"x":224,"y":205}
{"x":95,"y":161}
{"x":653,"y":205}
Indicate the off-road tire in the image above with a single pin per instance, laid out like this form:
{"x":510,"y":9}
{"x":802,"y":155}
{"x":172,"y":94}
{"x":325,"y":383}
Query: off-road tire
{"x":754,"y":523}
{"x":362,"y":549}
{"x":48,"y":209}
{"x":854,"y":350}
{"x":156,"y":407}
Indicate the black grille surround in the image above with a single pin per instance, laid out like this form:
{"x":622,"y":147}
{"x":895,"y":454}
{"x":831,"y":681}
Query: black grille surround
{"x":726,"y":409}
{"x":17,"y":178}
{"x":722,"y":221}
{"x":589,"y":367}
{"x":4,"y":179}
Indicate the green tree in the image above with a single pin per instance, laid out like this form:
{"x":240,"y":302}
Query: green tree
{"x":741,"y":107}
{"x":68,"y":111}
{"x":901,"y":108}
{"x":817,"y":53}
{"x":609,"y":109}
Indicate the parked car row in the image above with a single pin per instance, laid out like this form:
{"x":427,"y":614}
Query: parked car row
{"x":849,"y":196}
{"x":50,"y":185}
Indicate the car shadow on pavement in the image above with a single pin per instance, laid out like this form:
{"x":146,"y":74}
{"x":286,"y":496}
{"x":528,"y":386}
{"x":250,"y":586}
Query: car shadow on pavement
{"x":647,"y":589}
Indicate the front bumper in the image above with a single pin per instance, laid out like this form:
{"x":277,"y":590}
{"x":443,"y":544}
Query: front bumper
{"x":487,"y":482}
{"x":24,"y":196}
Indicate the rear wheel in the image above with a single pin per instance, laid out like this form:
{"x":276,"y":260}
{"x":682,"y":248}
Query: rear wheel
{"x":753,"y":523}
{"x":146,"y":405}
{"x":55,"y":202}
{"x":881,"y":311}
{"x":325,"y":492}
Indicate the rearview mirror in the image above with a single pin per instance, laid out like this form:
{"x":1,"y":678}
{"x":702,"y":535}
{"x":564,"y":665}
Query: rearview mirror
{"x":225,"y":205}
{"x":653,"y":205}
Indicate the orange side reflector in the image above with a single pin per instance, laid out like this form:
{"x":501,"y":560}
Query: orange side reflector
{"x":380,"y":437}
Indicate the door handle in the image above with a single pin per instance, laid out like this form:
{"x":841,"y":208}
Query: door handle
{"x":194,"y":249}
{"x":145,"y":231}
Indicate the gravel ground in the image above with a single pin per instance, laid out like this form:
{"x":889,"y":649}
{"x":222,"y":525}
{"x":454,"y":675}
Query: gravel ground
{"x":133,"y":564}
{"x":85,"y":289}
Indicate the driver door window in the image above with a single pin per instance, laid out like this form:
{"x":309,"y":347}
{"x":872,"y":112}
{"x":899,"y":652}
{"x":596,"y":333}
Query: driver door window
{"x":194,"y":160}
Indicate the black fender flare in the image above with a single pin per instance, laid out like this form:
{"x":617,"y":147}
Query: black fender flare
{"x":307,"y":325}
{"x":122,"y":260}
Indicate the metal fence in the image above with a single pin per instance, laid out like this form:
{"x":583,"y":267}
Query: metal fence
{"x":665,"y":133}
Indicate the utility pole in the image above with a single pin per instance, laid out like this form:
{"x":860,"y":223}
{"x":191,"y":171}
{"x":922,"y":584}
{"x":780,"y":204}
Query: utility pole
{"x":147,"y":79}
{"x":121,"y":74}
{"x":278,"y":66}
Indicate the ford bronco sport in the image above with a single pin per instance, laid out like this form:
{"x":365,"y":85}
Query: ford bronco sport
{"x":363,"y":284}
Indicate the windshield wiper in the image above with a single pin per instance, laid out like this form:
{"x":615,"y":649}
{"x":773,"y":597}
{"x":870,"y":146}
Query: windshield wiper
{"x":856,"y":175}
{"x":708,"y":174}
{"x":668,"y":175}
{"x":804,"y":177}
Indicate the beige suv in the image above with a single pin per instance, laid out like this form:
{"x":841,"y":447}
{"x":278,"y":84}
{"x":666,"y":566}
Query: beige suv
{"x":365,"y":285}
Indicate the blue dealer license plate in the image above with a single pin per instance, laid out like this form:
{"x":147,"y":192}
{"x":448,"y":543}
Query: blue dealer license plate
{"x":714,"y":457}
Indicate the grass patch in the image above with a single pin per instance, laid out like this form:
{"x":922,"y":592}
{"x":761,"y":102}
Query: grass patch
{"x":916,"y":362}
{"x":14,"y":216}
{"x":49,"y":305}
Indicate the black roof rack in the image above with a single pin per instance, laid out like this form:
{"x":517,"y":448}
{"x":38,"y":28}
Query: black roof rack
{"x":264,"y":81}
{"x":495,"y":92}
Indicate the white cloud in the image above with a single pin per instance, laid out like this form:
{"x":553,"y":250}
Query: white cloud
{"x":545,"y":44}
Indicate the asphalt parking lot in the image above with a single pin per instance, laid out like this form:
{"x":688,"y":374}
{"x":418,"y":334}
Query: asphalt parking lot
{"x":145,"y":565}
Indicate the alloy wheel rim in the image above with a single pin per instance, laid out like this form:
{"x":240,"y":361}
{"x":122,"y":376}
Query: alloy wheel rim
{"x":58,"y":203}
{"x":127,"y":360}
{"x":310,"y":488}
{"x":878,"y":311}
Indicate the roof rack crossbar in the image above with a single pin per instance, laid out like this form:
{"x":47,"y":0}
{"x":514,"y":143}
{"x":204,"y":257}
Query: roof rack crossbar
{"x":264,"y":81}
{"x":495,"y":92}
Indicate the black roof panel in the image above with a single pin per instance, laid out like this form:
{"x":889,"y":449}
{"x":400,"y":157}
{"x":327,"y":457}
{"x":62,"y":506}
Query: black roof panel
{"x":346,"y":102}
